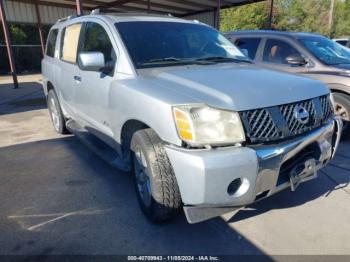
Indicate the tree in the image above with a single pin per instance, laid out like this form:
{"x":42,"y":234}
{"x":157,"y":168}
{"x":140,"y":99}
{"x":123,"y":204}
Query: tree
{"x":245,"y":17}
{"x":341,"y":22}
{"x":18,"y":36}
{"x":291,"y":15}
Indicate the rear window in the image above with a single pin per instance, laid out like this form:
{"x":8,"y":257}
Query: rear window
{"x":51,"y":43}
{"x":69,"y":44}
{"x":248,"y":46}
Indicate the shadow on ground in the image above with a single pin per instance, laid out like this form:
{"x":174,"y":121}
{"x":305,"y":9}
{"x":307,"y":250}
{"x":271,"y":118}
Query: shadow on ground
{"x":71,"y":202}
{"x":28,"y":97}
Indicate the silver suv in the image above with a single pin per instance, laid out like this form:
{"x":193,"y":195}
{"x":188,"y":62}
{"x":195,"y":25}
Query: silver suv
{"x":178,"y":105}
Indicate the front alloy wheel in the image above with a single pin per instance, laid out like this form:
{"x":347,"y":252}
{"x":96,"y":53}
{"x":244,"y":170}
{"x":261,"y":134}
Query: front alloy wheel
{"x":156,"y":186}
{"x":342,"y":109}
{"x":143,"y":182}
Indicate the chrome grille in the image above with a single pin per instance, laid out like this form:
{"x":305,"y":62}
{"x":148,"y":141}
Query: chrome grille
{"x":326,"y":106}
{"x":279,"y":122}
{"x":260,"y":124}
{"x":296,"y":127}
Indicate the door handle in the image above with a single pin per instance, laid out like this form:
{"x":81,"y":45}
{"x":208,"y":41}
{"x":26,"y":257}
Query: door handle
{"x":77,"y":78}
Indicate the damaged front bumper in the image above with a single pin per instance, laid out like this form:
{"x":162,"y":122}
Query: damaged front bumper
{"x":216,"y":181}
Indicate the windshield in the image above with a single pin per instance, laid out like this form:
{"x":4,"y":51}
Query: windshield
{"x":326,"y":50}
{"x":154,"y":44}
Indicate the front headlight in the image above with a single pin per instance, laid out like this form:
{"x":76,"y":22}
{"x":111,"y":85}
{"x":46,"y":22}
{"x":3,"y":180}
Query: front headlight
{"x":200,"y":125}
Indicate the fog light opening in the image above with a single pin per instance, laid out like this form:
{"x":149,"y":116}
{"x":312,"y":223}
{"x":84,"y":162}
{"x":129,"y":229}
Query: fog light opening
{"x":238,"y":187}
{"x":234,"y":186}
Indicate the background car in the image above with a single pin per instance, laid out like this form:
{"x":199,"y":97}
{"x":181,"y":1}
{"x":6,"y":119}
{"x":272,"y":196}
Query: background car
{"x":309,"y":54}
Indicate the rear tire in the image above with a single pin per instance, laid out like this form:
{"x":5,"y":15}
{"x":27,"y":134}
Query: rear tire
{"x":156,"y":187}
{"x":58,"y":120}
{"x":342,"y":108}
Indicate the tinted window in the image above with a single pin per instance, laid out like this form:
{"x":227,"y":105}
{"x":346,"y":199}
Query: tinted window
{"x":152,"y":44}
{"x":342,"y":42}
{"x":69,"y":44}
{"x":51,"y":43}
{"x":96,"y":40}
{"x":276,"y":51}
{"x":326,"y":50}
{"x":248,"y":46}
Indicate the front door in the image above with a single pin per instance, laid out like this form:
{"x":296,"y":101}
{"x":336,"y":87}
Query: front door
{"x":275,"y":54}
{"x":93,"y":88}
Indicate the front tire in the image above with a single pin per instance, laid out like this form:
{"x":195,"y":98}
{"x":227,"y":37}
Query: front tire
{"x":342,"y":108}
{"x":58,"y":120}
{"x":156,"y":187}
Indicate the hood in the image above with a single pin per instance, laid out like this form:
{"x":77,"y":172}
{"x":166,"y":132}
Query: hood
{"x":234,"y":86}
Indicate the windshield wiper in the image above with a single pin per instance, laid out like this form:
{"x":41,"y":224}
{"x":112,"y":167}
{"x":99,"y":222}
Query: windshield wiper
{"x":165,"y":59}
{"x":203,"y":60}
{"x":173,"y":60}
{"x":224,"y":59}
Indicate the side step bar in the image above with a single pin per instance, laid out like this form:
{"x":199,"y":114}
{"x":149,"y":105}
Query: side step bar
{"x":100,"y":148}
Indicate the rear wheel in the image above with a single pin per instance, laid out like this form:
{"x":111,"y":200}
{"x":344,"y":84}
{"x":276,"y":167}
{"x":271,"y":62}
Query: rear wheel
{"x":342,"y":108}
{"x":155,"y":182}
{"x":58,"y":121}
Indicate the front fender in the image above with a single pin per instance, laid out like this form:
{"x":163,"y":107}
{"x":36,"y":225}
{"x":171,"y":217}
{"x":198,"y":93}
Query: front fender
{"x":131,"y":103}
{"x":339,"y":87}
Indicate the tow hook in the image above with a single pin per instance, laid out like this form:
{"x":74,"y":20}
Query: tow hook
{"x":302,"y":172}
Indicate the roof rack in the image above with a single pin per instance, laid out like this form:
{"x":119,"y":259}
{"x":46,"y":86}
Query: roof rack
{"x":126,"y":12}
{"x":66,"y":18}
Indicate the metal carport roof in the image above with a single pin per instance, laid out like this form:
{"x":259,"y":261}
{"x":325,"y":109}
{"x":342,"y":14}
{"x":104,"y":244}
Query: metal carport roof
{"x":175,"y":7}
{"x":47,"y":11}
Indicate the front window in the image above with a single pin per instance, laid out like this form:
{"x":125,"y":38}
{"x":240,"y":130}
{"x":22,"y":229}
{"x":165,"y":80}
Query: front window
{"x":96,"y":39}
{"x":154,"y":44}
{"x":326,"y":50}
{"x":277,"y":51}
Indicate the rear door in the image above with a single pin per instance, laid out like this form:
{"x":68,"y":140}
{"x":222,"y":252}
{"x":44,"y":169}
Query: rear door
{"x":50,"y":63}
{"x":248,"y":45}
{"x":68,"y":63}
{"x":92,"y":92}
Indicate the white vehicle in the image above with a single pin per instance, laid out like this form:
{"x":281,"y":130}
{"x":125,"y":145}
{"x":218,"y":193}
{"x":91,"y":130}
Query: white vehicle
{"x":177,"y":104}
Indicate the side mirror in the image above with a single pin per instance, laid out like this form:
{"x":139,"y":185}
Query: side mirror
{"x":296,"y":60}
{"x":91,"y":61}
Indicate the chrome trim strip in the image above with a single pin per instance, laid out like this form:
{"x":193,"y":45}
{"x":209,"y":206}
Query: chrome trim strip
{"x":339,"y":125}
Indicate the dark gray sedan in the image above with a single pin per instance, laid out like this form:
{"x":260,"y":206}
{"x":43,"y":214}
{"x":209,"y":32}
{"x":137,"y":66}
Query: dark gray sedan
{"x":304,"y":53}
